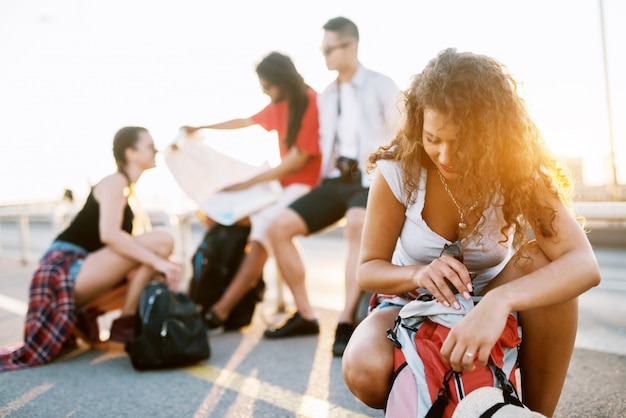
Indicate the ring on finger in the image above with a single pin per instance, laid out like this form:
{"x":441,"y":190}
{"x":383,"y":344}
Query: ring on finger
{"x":468,"y":354}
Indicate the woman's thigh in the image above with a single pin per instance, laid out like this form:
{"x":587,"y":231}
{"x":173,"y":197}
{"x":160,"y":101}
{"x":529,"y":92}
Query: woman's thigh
{"x":105,"y":267}
{"x":368,"y":359}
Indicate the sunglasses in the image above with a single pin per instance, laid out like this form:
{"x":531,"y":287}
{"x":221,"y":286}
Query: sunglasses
{"x":455,"y":251}
{"x":327,"y":50}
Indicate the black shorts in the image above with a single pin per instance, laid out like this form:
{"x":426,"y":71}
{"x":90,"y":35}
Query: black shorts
{"x":329,"y":202}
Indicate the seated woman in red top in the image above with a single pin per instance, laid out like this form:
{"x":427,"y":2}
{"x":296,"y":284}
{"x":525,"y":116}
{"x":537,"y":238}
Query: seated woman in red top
{"x":293,"y":114}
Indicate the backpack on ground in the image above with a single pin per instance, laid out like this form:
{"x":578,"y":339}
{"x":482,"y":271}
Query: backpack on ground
{"x":424,"y":385}
{"x":169,"y":330}
{"x":215,"y":263}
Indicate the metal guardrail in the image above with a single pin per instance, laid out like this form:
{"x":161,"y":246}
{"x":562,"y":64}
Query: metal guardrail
{"x":55,"y":212}
{"x":59,"y":213}
{"x":602,"y":211}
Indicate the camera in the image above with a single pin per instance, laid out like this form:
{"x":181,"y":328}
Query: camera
{"x":455,"y":251}
{"x":347,"y":166}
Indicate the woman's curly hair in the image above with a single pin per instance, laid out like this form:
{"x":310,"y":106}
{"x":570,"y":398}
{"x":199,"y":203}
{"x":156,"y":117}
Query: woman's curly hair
{"x":502,"y":156}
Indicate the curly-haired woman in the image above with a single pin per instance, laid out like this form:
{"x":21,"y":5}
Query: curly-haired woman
{"x":469,"y":165}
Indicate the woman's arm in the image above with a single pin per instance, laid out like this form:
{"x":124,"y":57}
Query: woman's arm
{"x":568,"y":268}
{"x":384,"y":218}
{"x":229,"y":124}
{"x":572,"y":269}
{"x":291,"y":163}
{"x":110,"y":196}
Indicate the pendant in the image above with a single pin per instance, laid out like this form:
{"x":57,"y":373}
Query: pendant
{"x":462,"y":225}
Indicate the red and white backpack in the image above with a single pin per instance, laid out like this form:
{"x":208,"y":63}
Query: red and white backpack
{"x":424,"y":385}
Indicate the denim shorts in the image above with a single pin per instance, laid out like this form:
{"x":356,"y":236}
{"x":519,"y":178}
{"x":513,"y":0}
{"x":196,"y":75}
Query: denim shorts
{"x":68,"y":246}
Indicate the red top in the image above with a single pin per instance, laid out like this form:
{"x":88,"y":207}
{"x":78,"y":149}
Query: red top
{"x":274,"y":118}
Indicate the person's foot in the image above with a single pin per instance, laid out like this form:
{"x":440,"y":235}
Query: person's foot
{"x":294,"y":326}
{"x":214,"y":324}
{"x":87,"y":328}
{"x":123,"y":329}
{"x":342,"y":336}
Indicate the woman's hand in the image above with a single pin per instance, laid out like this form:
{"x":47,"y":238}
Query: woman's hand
{"x":475,"y":335}
{"x":173,"y":272}
{"x":444,"y":277}
{"x":190,"y":129}
{"x":237,"y":186}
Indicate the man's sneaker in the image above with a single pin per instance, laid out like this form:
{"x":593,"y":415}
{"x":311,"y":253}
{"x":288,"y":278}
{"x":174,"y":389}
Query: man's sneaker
{"x":342,"y":336}
{"x":214,"y":324}
{"x":296,"y":325}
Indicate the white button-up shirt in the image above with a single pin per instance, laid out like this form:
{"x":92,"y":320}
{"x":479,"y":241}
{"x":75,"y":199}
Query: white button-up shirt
{"x":378,"y":116}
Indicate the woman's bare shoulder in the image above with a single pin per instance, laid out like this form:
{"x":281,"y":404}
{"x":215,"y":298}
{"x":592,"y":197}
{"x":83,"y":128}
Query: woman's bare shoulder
{"x":112,"y":184}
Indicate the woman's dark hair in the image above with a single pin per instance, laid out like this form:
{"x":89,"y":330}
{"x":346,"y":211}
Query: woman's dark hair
{"x":278,"y":69}
{"x":125,"y":138}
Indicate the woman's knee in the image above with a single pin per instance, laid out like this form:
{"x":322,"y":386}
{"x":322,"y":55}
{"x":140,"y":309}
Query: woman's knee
{"x":367,"y":363}
{"x":285,"y":226}
{"x":364,"y":373}
{"x":161,"y":242}
{"x":353,"y":229}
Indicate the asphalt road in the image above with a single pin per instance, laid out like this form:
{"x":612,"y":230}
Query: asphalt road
{"x":248,"y":376}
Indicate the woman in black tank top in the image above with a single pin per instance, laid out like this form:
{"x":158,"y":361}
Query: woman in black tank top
{"x":103,"y":228}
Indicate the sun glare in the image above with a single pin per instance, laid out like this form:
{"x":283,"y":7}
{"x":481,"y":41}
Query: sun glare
{"x":70,"y":81}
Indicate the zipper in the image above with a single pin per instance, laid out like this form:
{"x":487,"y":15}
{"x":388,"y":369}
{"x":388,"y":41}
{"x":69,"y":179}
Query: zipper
{"x":199,"y":260}
{"x":459,"y":386}
{"x":167,"y":321}
{"x":150,"y":305}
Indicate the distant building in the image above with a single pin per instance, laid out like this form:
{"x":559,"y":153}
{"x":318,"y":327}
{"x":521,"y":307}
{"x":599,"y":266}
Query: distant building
{"x":583,"y":192}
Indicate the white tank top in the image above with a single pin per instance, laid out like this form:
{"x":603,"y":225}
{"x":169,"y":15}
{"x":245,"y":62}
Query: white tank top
{"x":418,"y":244}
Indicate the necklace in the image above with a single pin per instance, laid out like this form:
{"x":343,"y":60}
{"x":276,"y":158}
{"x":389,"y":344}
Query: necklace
{"x":462,"y":223}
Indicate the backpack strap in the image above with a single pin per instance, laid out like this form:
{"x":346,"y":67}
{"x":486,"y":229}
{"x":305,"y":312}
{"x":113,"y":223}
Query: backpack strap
{"x":508,"y":388}
{"x":443,"y":397}
{"x":491,"y":411}
{"x":508,"y":392}
{"x":393,"y":335}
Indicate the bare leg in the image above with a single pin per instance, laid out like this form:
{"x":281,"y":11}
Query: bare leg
{"x":548,"y":339}
{"x":352,"y":232}
{"x":548,"y":342}
{"x":136,"y":285}
{"x":103,"y":269}
{"x":245,"y":279}
{"x":367,"y":363}
{"x":283,"y":230}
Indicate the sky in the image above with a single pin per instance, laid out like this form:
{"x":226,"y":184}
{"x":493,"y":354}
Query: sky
{"x":74,"y":71}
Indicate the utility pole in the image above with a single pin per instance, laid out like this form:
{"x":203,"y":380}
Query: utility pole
{"x":612,"y":188}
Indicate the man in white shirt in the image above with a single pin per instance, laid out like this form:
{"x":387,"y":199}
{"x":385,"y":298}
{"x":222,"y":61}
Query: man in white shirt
{"x":358,"y":113}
